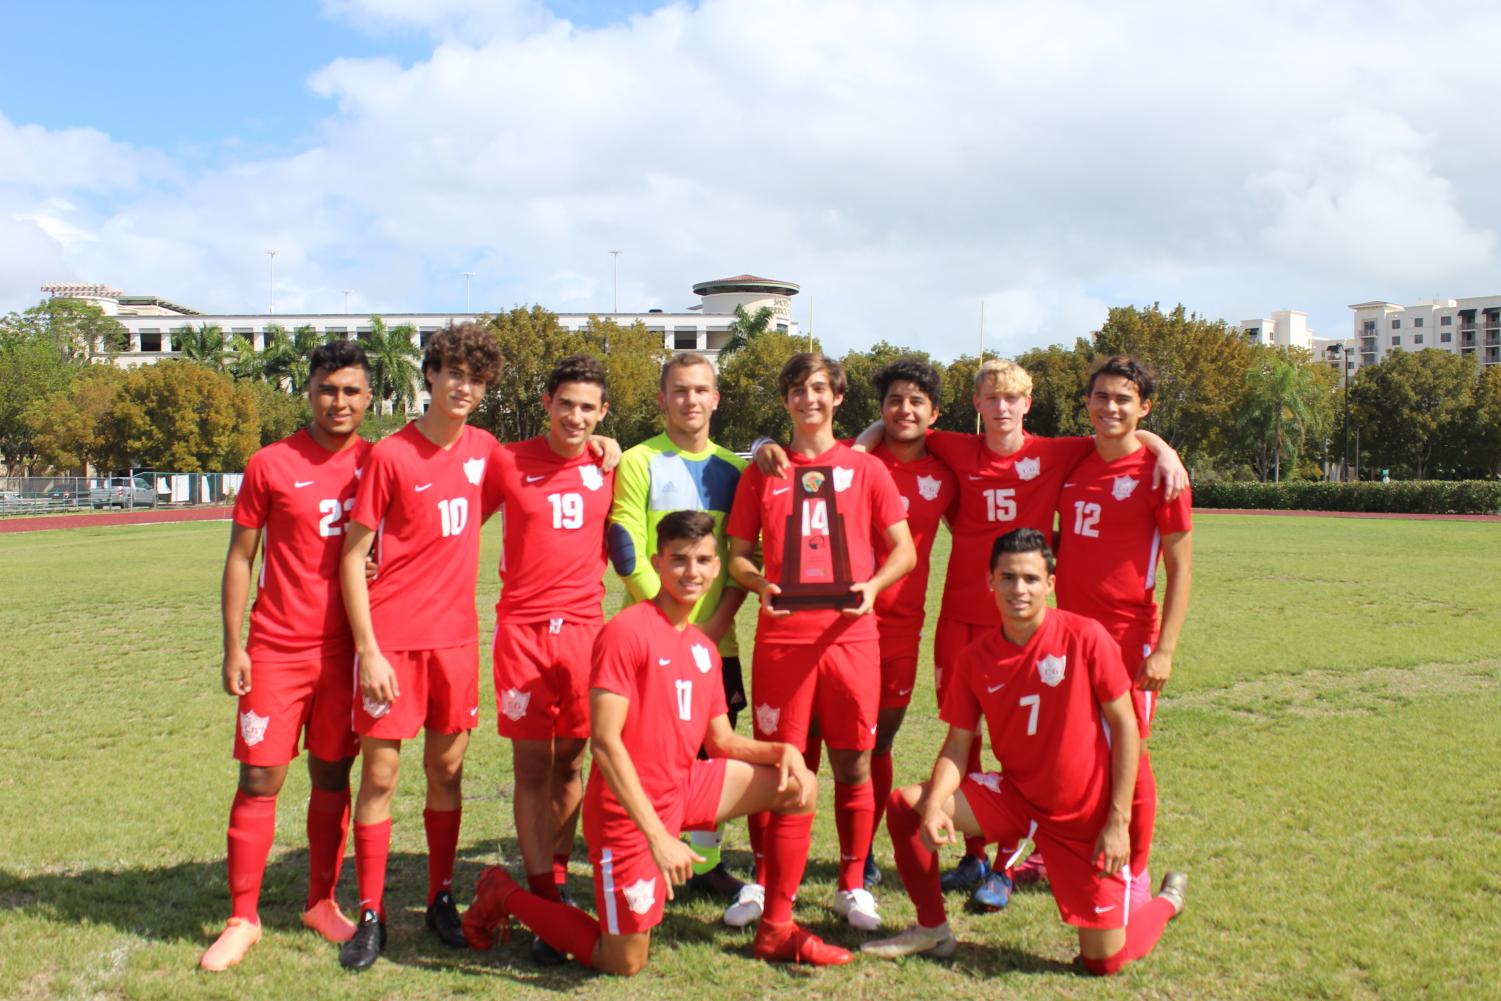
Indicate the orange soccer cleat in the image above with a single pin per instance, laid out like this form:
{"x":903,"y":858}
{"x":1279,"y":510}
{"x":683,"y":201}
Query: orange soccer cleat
{"x":791,"y":943}
{"x":231,"y":945}
{"x":327,"y":920}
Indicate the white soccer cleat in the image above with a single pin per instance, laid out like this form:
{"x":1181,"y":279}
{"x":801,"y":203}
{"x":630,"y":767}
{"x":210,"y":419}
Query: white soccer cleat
{"x":747,"y":907}
{"x":936,"y":942}
{"x":858,"y":907}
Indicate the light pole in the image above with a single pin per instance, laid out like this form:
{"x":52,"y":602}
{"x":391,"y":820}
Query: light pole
{"x":346,"y":299}
{"x":615,"y":279}
{"x":467,"y":275}
{"x":271,"y":283}
{"x":1338,"y":351}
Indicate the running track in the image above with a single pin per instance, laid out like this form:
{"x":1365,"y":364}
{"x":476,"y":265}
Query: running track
{"x":162,"y":516}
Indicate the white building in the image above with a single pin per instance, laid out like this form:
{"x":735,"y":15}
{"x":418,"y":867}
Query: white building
{"x":1469,"y":327}
{"x":151,"y":322}
{"x":1288,"y":328}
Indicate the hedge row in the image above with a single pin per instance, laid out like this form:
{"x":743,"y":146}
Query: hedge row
{"x":1405,"y":497}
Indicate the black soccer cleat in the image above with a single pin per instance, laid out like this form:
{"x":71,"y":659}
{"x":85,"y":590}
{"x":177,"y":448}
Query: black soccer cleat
{"x":361,"y":952}
{"x":443,"y":921}
{"x":1174,"y":890}
{"x":966,"y":875}
{"x":717,"y":882}
{"x":545,"y":955}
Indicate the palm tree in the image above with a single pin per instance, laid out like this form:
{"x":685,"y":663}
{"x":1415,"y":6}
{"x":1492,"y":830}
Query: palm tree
{"x":206,"y":345}
{"x":289,"y":355}
{"x":1280,"y":409}
{"x":246,"y":364}
{"x":745,"y":328}
{"x":395,"y":374}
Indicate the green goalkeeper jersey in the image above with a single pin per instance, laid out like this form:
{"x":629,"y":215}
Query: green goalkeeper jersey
{"x":654,"y":479}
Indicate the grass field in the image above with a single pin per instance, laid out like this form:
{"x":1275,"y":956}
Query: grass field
{"x":1328,"y":759}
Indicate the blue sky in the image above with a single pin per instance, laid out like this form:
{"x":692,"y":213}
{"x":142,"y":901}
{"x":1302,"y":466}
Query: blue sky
{"x":902,"y":162}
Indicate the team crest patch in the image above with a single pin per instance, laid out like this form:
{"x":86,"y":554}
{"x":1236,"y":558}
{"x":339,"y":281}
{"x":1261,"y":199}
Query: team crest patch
{"x":928,"y":487}
{"x":812,"y":480}
{"x":842,"y":479}
{"x":701,"y":658}
{"x":592,"y":477}
{"x":514,"y":703}
{"x":1050,"y":670}
{"x":374,"y":709}
{"x":1123,"y":487}
{"x":1027,"y":469}
{"x":253,"y":727}
{"x":640,"y":895}
{"x":474,"y":470}
{"x":359,"y":471}
{"x":767,"y":719}
{"x":906,"y":503}
{"x":989,"y":780}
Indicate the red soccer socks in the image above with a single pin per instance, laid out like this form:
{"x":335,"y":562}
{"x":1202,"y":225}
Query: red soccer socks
{"x":327,"y":830}
{"x":252,"y":826}
{"x":372,"y":846}
{"x":442,"y":827}
{"x":786,"y":846}
{"x":880,"y":784}
{"x":854,"y":817}
{"x":1142,"y":933}
{"x":567,"y":929}
{"x":918,"y":865}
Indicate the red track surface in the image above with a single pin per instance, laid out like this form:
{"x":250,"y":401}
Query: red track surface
{"x":155,"y":516}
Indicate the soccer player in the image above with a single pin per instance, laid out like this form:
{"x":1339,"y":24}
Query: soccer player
{"x":656,"y":698}
{"x":292,"y":676}
{"x":820,"y":665}
{"x":1006,"y":479}
{"x":416,"y":637}
{"x":1050,"y":687}
{"x":681,"y":469}
{"x":555,"y":500}
{"x":1114,"y":523}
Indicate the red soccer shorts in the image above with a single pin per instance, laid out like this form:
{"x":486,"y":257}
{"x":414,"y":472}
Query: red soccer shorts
{"x":899,"y":642}
{"x":311,"y":698}
{"x":542,"y":678}
{"x":1137,"y":643}
{"x":1086,"y":897}
{"x":949,"y":641}
{"x":841,"y":683}
{"x":629,"y":889}
{"x":439,"y":692}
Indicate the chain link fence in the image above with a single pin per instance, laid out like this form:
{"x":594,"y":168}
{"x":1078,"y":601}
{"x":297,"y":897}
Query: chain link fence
{"x":145,"y":489}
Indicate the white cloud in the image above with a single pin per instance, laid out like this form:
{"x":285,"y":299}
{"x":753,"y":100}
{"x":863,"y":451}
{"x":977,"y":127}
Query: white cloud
{"x":901,"y":161}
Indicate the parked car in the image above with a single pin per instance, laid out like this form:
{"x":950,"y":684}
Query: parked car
{"x":123,"y":491}
{"x":64,"y":496}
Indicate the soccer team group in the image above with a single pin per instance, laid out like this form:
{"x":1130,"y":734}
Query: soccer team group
{"x":363,"y":634}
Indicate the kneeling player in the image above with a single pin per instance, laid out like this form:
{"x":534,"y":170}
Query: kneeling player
{"x":655,"y":698}
{"x":1051,"y":688}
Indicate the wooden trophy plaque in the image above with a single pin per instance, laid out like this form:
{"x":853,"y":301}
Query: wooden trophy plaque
{"x":815,"y":553}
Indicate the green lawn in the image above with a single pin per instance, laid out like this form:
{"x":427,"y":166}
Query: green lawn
{"x":1327,"y":757}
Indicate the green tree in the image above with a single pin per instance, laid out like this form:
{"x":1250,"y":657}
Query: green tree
{"x":1282,"y":411}
{"x":78,"y":331}
{"x":746,"y":327}
{"x":205,"y":344}
{"x":749,"y":403}
{"x":1413,"y":411}
{"x":633,"y":356}
{"x":1200,"y":366}
{"x":531,"y":343}
{"x":280,"y":413}
{"x":31,"y":370}
{"x":1060,"y":376}
{"x":184,"y":417}
{"x":862,"y":404}
{"x":1486,"y":451}
{"x":395,"y":364}
{"x":70,"y":425}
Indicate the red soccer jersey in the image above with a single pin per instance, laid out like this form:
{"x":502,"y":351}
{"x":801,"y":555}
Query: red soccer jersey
{"x":1041,"y":704}
{"x":299,"y":494}
{"x":1113,"y":521}
{"x":866,"y":502}
{"x":927,"y":489}
{"x":673,"y":682}
{"x":553,"y":563}
{"x":996,"y":494}
{"x":426,"y":506}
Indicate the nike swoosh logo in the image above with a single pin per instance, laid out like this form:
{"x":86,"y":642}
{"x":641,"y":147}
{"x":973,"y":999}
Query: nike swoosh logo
{"x":423,"y":487}
{"x":1102,"y":910}
{"x":905,"y":691}
{"x":534,"y":479}
{"x":663,"y":661}
{"x":992,"y":689}
{"x":1067,"y":485}
{"x":973,"y":477}
{"x":303,"y":483}
{"x":777,"y":493}
{"x":474,"y":711}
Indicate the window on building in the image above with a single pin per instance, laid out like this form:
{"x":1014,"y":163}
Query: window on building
{"x":151,"y":340}
{"x":1417,"y":321}
{"x":337,"y":333}
{"x":1447,"y":337}
{"x":781,"y":328}
{"x":1396,"y":324}
{"x":424,"y":335}
{"x":363,"y":335}
{"x":1369,"y":326}
{"x":685,"y":339}
{"x":1417,"y":339}
{"x":1446,"y":321}
{"x":1396,"y":340}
